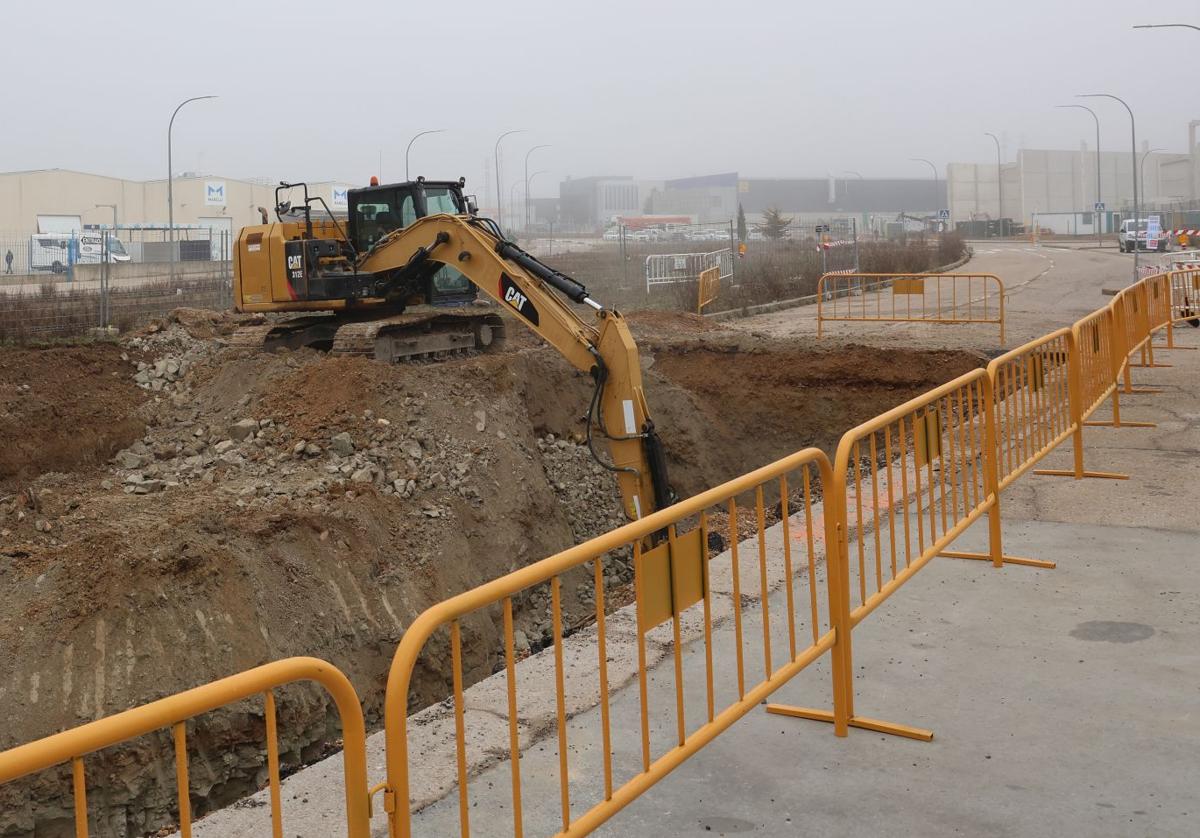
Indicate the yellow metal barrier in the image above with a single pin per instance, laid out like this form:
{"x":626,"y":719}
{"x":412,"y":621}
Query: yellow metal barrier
{"x":174,"y":711}
{"x":674,"y":586}
{"x":905,"y":298}
{"x":901,"y":489}
{"x":1185,"y":296}
{"x":709,"y":287}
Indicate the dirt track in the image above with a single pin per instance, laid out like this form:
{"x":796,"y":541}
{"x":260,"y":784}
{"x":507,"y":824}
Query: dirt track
{"x":260,"y":506}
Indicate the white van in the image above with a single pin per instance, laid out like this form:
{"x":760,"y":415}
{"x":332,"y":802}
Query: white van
{"x":1126,"y":237}
{"x":53,"y":251}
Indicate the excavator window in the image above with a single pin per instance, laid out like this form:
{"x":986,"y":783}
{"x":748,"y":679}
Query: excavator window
{"x":440,"y":199}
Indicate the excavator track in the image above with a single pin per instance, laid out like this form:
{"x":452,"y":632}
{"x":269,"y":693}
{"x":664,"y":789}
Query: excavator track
{"x":415,"y":336}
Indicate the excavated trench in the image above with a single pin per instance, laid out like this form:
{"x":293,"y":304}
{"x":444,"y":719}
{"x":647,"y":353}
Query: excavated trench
{"x":110,"y":598}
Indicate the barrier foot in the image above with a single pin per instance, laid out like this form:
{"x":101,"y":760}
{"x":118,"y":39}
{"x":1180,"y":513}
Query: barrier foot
{"x":876,"y":725}
{"x":1111,"y":424}
{"x":1173,"y":348}
{"x":1153,"y":366}
{"x":986,"y":557}
{"x":1103,"y":475}
{"x":1141,"y":391}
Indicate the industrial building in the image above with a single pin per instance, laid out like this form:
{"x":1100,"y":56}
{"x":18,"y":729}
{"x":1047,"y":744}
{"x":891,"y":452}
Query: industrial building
{"x":594,"y":203}
{"x":219,"y":203}
{"x":1058,"y":190}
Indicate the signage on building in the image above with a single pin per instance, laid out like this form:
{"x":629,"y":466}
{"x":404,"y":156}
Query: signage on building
{"x":339,"y":198}
{"x":214,"y":193}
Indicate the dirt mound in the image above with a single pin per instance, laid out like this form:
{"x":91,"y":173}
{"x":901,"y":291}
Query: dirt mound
{"x":655,"y":324}
{"x":64,"y":409}
{"x":758,"y":404}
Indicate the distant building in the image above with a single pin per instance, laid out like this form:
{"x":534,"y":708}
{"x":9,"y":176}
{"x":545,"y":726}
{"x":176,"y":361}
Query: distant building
{"x":592,"y":203}
{"x":1057,"y":187}
{"x":221,"y":203}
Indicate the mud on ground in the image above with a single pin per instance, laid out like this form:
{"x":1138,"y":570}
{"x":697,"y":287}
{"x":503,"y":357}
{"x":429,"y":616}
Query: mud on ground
{"x":177,"y":511}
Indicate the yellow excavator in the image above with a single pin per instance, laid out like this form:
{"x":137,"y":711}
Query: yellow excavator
{"x":401,"y":281}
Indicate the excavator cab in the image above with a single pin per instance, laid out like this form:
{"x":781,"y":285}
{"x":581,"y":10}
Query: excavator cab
{"x":376,"y":211}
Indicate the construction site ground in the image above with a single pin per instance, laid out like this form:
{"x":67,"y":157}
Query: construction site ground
{"x":232,"y":508}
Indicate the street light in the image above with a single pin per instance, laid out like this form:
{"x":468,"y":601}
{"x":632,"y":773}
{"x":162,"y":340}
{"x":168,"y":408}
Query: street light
{"x":528,"y":181}
{"x":847,"y":181}
{"x":499,"y":193}
{"x":1166,"y":26}
{"x":409,"y":147}
{"x":171,"y":177}
{"x":1133,"y":152}
{"x":1098,"y":198}
{"x":531,"y":151}
{"x":999,"y":186}
{"x":933,"y":169}
{"x":512,"y":199}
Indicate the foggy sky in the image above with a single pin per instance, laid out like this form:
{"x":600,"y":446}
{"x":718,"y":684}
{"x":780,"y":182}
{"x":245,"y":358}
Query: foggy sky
{"x":316,"y":90}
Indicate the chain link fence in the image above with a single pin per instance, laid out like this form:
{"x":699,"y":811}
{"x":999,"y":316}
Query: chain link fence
{"x":62,"y":285}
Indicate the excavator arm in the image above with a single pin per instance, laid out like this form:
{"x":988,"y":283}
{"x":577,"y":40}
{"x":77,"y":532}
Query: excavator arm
{"x":604,"y":349}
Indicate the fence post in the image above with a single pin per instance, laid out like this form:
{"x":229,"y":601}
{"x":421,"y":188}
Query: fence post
{"x":732,"y":252}
{"x":854,"y":237}
{"x":991,"y":470}
{"x":837,"y":537}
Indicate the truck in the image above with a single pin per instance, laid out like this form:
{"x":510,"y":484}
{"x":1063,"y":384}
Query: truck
{"x":56,"y":252}
{"x":1126,"y":236}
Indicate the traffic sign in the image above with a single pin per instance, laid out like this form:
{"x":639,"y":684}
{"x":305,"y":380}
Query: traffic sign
{"x":821,"y":228}
{"x":1098,"y":206}
{"x":943,"y":215}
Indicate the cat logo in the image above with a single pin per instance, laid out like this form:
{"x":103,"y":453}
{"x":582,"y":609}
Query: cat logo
{"x":515,"y":297}
{"x":295,"y":266}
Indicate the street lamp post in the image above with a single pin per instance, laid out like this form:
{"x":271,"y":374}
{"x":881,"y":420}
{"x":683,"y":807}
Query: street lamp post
{"x":1098,"y":198}
{"x":528,"y":181}
{"x":171,"y":178}
{"x":496,"y":159}
{"x":933,"y":169}
{"x":846,"y":180}
{"x":410,"y":144}
{"x":1133,"y":152}
{"x":999,"y":186}
{"x":512,"y":199}
{"x":1167,"y":26}
{"x":531,"y":151}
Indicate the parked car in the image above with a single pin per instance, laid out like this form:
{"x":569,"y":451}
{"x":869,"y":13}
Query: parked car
{"x":612,"y":234}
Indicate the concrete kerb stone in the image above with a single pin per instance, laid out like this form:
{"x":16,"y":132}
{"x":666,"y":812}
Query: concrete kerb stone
{"x":810,"y":299}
